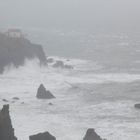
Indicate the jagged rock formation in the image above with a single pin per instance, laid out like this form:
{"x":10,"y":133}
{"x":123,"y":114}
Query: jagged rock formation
{"x":42,"y":136}
{"x":16,"y":50}
{"x":92,"y":135}
{"x":42,"y":93}
{"x":6,"y":129}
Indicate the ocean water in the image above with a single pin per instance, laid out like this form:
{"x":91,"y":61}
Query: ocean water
{"x":86,"y":97}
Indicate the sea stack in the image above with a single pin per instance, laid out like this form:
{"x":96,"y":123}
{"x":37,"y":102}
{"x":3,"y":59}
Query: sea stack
{"x":42,"y":93}
{"x":92,"y":135}
{"x":6,"y":129}
{"x":42,"y":136}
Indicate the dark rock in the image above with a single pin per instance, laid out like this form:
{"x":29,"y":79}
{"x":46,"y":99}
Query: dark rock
{"x":16,"y":50}
{"x":4,"y":100}
{"x":92,"y":135}
{"x":42,"y":93}
{"x":68,"y":67}
{"x":15,"y":98}
{"x":59,"y":64}
{"x":42,"y":136}
{"x":50,"y":103}
{"x":13,"y":102}
{"x":50,"y":60}
{"x":137,"y":106}
{"x":6,"y":129}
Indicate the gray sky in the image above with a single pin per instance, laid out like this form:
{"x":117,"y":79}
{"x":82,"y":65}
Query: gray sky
{"x":70,"y":13}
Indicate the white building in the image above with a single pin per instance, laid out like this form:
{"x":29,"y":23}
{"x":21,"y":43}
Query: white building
{"x":15,"y":33}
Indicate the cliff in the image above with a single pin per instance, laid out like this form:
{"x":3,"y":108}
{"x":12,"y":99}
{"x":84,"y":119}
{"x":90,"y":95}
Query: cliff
{"x":6,"y":129}
{"x":16,"y":50}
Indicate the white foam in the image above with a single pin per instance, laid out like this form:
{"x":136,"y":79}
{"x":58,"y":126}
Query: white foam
{"x":62,"y":119}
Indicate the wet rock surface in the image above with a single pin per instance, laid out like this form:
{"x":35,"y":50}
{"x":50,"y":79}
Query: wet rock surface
{"x":42,"y":136}
{"x":6,"y":129}
{"x":50,"y":60}
{"x":4,"y":100}
{"x":16,"y":98}
{"x":42,"y":93}
{"x":92,"y":135}
{"x":60,"y":64}
{"x":137,"y":106}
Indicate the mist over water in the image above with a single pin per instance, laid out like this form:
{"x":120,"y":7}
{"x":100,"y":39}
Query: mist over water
{"x":100,"y":40}
{"x":75,"y":14}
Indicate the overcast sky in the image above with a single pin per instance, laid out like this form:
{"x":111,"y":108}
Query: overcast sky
{"x":70,"y":13}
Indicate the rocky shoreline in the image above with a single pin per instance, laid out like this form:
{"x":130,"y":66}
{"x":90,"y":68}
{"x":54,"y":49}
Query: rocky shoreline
{"x":7,"y":131}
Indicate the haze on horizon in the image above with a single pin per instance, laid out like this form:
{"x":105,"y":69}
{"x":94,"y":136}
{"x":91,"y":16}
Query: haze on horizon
{"x":90,"y":14}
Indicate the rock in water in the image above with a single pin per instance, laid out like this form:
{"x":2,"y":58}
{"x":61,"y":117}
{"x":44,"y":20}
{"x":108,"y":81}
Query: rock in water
{"x":15,"y":98}
{"x":6,"y":129}
{"x":42,"y":93}
{"x":50,"y":60}
{"x":4,"y":100}
{"x":68,"y":67}
{"x":42,"y":136}
{"x":137,"y":106}
{"x":59,"y":64}
{"x":92,"y":135}
{"x":50,"y":104}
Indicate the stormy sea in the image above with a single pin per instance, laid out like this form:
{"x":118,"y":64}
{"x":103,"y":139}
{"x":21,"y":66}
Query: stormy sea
{"x":99,"y":92}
